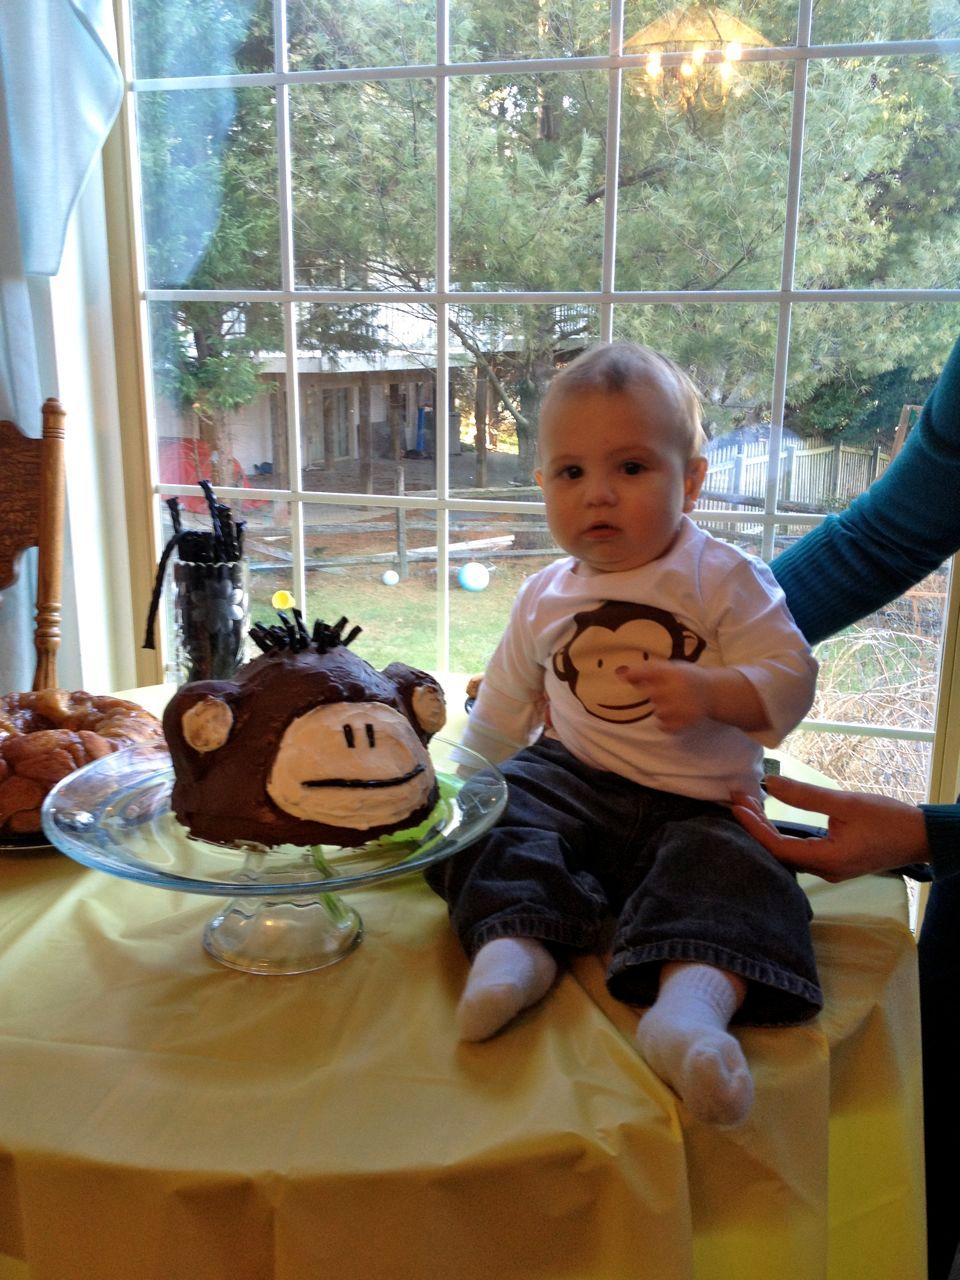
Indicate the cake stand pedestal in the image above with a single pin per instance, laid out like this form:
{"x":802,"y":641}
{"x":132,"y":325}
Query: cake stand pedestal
{"x":284,"y":913}
{"x":284,"y":933}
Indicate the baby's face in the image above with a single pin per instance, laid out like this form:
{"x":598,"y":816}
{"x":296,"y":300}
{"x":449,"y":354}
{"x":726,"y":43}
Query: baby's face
{"x":616,"y":476}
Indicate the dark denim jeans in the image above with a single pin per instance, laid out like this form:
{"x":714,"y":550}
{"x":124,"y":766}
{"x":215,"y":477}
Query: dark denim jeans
{"x":577,"y":845}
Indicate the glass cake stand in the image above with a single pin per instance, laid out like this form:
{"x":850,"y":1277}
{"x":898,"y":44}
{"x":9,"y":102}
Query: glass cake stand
{"x":284,"y":912}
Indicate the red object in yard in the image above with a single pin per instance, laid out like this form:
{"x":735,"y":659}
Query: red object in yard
{"x":188,"y":461}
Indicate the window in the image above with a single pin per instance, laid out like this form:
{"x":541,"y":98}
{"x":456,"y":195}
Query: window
{"x":372,"y":231}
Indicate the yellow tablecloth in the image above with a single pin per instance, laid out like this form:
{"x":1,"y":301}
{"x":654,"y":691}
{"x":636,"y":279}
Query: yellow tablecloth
{"x":165,"y":1118}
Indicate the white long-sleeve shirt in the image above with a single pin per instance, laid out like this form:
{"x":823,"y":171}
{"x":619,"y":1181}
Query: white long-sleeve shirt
{"x":570,"y":628}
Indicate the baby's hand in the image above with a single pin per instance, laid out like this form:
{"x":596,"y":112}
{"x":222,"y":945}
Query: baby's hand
{"x":678,"y":691}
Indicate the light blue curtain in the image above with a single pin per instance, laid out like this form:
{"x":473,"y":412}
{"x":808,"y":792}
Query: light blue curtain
{"x":60,"y":91}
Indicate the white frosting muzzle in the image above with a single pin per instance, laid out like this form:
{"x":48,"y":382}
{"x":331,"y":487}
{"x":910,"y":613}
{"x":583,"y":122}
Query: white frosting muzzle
{"x":351,"y":764}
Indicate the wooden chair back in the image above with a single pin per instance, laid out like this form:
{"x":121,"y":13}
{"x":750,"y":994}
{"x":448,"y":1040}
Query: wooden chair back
{"x":32,"y":515}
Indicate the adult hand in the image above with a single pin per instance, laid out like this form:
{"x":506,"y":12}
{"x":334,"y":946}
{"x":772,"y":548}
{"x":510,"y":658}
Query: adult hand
{"x":866,"y":833}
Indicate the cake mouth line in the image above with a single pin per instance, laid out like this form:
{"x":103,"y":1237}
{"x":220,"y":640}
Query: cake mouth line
{"x":365,"y":783}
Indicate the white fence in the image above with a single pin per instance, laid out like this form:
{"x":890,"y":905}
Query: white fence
{"x":813,"y":475}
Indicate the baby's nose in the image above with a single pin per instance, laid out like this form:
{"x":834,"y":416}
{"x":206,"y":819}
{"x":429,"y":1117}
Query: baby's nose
{"x":600,"y":491}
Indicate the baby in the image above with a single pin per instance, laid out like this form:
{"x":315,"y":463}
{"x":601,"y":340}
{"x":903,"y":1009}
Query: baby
{"x":632,"y":693}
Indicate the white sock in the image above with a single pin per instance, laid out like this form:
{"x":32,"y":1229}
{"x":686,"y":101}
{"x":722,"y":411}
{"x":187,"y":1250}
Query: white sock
{"x":507,"y":975}
{"x":684,"y":1039}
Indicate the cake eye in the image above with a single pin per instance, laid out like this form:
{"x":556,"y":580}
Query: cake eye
{"x":348,"y":735}
{"x":371,"y":736}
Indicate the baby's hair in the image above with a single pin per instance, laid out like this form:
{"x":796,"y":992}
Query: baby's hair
{"x":629,"y":367}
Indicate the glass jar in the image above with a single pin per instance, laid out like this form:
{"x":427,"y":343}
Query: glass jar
{"x":211,"y":607}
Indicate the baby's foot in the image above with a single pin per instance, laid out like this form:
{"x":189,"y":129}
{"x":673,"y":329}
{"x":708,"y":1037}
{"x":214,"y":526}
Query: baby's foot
{"x":704,"y":1066}
{"x":507,"y":976}
{"x":684,"y":1040}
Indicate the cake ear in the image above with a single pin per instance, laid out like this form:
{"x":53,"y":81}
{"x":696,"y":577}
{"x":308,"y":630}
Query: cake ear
{"x":429,"y":708}
{"x":207,"y":724}
{"x":422,"y":697}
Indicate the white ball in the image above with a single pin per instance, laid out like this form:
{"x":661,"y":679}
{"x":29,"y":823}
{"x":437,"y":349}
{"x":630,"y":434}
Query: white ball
{"x":390,"y":578}
{"x":473,"y":576}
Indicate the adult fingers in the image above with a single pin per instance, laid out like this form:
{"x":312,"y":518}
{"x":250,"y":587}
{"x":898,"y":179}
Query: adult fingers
{"x":804,"y":795}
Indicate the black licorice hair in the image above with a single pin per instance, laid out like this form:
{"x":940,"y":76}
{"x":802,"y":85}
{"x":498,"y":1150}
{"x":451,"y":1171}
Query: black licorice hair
{"x":293,"y":635}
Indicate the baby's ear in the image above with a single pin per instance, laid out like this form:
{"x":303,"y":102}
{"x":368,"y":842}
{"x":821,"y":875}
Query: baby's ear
{"x":693,"y":480}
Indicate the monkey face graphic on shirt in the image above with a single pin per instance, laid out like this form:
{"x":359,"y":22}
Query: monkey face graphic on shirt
{"x":618,"y":634}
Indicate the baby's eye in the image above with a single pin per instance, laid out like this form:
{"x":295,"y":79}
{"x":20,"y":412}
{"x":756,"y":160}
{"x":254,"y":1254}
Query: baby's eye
{"x":633,"y":468}
{"x":571,"y":473}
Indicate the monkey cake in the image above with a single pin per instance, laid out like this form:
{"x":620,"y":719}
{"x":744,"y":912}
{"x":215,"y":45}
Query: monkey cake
{"x":307,"y":744}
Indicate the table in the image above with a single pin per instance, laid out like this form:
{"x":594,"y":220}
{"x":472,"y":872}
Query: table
{"x":165,"y":1118}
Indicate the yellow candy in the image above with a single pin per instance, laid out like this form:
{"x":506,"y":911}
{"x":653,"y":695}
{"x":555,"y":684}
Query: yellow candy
{"x":283,"y":600}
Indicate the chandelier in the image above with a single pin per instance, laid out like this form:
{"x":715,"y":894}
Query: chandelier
{"x":691,"y":56}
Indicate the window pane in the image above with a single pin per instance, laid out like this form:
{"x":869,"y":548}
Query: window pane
{"x":703,"y":183}
{"x":728,"y":351}
{"x":367,"y":390}
{"x":878,"y":204}
{"x":885,"y":20}
{"x":348,"y":551}
{"x":269,"y":552}
{"x":203,"y":38}
{"x":210,"y":205}
{"x":527,"y":181}
{"x":505,"y":357}
{"x":490,"y":555}
{"x":364,"y":33}
{"x":364,"y":184}
{"x":219,"y":403}
{"x":857,"y":374}
{"x":554,"y":29}
{"x":882,"y":672}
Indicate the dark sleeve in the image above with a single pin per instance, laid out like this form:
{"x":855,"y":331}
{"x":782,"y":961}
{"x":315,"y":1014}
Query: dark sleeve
{"x":943,"y":837}
{"x":904,"y":526}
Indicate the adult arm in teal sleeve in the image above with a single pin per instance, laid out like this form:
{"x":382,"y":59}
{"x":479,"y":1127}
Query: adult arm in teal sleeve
{"x":904,"y":526}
